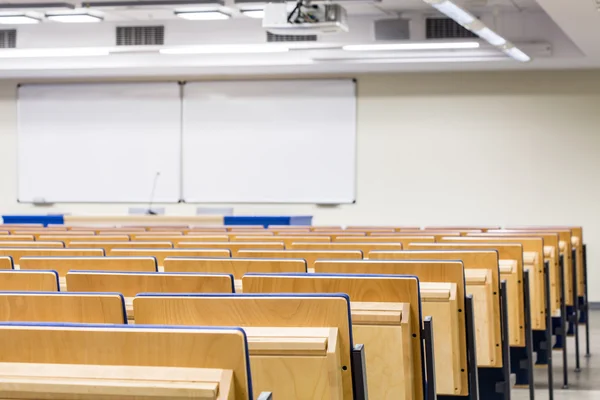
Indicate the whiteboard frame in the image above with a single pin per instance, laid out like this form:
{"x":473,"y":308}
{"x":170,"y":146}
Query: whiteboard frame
{"x":94,"y":82}
{"x":319,"y":203}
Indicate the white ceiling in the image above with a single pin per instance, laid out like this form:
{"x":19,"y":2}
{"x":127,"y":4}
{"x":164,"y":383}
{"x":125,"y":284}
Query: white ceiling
{"x":567,"y":31}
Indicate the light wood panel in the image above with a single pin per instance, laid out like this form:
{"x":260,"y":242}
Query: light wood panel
{"x":450,"y":331}
{"x":309,"y":255}
{"x":17,"y":253}
{"x":365,"y":247}
{"x":32,"y":244}
{"x":63,"y":265}
{"x":6,"y":262}
{"x":372,"y":289}
{"x":418,"y":233}
{"x":487,"y":308}
{"x":161,"y":254}
{"x":175,"y":239}
{"x":62,"y":307}
{"x":155,"y":347}
{"x":303,"y":375}
{"x":14,"y":238}
{"x":404,"y":240}
{"x":67,"y":239}
{"x":38,"y":233}
{"x":107,"y":246}
{"x":88,"y":382}
{"x":287,"y":240}
{"x":513,"y":277}
{"x":28,"y":281}
{"x":234,"y":247}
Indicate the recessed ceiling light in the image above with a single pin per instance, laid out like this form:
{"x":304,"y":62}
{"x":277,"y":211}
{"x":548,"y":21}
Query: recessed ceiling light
{"x":202,"y":15}
{"x":74,"y":18}
{"x":258,"y":13}
{"x":411,"y":46}
{"x":18,"y":19}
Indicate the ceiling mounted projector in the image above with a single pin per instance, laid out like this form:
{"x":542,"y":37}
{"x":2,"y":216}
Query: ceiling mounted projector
{"x":305,"y":19}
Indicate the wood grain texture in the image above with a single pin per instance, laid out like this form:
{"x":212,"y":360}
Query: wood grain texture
{"x":238,"y":267}
{"x":17,"y":253}
{"x":309,"y":255}
{"x":175,"y":239}
{"x":234,"y":247}
{"x":14,"y":238}
{"x":39,"y":233}
{"x":287,"y":240}
{"x":6,"y":262}
{"x":361,"y":289}
{"x":83,"y":238}
{"x":514,"y":279}
{"x":64,"y":307}
{"x":450,"y":336}
{"x":153,"y":347}
{"x":93,"y":382}
{"x":32,"y":244}
{"x":536,"y":274}
{"x":404,"y":240}
{"x":362,"y":246}
{"x":419,"y":233}
{"x":131,"y":284}
{"x":107,"y":246}
{"x":297,"y":376}
{"x":39,"y":281}
{"x":63,"y":265}
{"x":487,"y":319}
{"x":161,"y":254}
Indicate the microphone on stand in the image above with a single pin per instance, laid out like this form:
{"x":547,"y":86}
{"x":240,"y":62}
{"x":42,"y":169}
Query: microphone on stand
{"x":150,"y":212}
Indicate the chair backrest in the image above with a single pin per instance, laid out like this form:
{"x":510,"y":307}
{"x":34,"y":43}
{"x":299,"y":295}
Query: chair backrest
{"x":150,"y":346}
{"x":93,"y":308}
{"x":6,"y":262}
{"x":309,"y":255}
{"x":161,"y":254}
{"x":175,"y":239}
{"x":450,"y":330}
{"x":67,"y":239}
{"x":287,"y":240}
{"x":234,"y":247}
{"x":63,"y":265}
{"x":364,"y":289}
{"x":107,"y":246}
{"x":131,"y":283}
{"x":485,"y":287}
{"x":404,"y":240}
{"x":357,"y":245}
{"x":32,"y":244}
{"x":17,"y":253}
{"x":35,"y":281}
{"x":237,"y":267}
{"x":303,"y":373}
{"x":14,"y":238}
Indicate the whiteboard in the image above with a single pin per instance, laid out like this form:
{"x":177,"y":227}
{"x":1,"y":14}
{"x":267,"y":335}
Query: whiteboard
{"x":99,"y":142}
{"x":291,"y":141}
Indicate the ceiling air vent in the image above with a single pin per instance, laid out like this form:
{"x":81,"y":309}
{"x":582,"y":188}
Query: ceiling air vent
{"x":446,"y":28}
{"x":140,"y":35}
{"x":8,"y":38}
{"x":271,"y":37}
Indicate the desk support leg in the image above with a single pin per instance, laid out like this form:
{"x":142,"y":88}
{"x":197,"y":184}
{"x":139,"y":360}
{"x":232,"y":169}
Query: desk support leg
{"x":575,"y":315}
{"x":549,"y":330}
{"x":471,"y":348}
{"x":505,"y":340}
{"x":528,"y":334}
{"x":359,"y":373}
{"x":562,"y":331}
{"x":427,"y":336}
{"x":586,"y":306}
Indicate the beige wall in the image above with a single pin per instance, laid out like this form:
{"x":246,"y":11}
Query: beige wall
{"x":461,"y":148}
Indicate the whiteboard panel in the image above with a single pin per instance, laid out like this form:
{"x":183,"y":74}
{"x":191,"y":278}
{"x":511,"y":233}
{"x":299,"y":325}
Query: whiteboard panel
{"x":99,"y":142}
{"x":269,"y":141}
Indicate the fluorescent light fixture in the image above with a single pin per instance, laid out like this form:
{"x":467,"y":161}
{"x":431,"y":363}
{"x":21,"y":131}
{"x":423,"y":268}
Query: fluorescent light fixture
{"x":517,"y":54}
{"x":254,"y":13}
{"x":18,"y":19}
{"x":492,"y":37}
{"x":202,"y":15}
{"x":411,"y":46}
{"x":227,"y":49}
{"x":49,"y":53}
{"x":74,"y":18}
{"x":453,"y":11}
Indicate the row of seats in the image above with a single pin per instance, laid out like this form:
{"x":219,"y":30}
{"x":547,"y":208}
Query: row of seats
{"x":449,"y":268}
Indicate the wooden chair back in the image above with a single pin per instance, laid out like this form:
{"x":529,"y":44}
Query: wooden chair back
{"x":29,"y":281}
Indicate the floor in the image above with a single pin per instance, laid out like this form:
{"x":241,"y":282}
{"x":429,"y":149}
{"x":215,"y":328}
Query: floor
{"x":582,"y":385}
